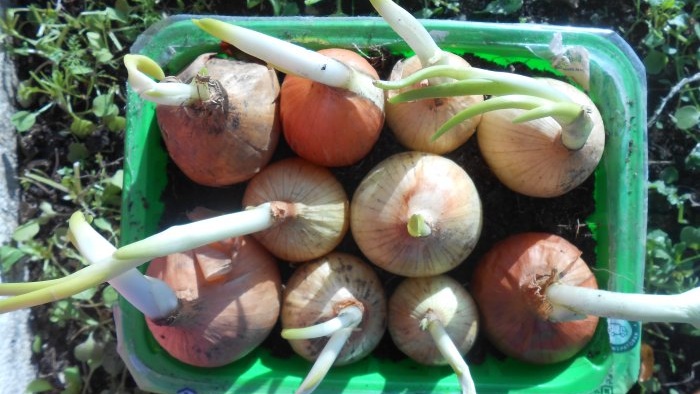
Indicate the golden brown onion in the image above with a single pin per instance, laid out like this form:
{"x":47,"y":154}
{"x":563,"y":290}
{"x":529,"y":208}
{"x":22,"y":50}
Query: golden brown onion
{"x":317,"y":290}
{"x":434,"y":321}
{"x":529,"y":157}
{"x":416,"y":214}
{"x":316,"y":214}
{"x":509,"y":286}
{"x":331,"y":126}
{"x":415,"y":122}
{"x":231,"y":136}
{"x":447,"y":301}
{"x":222,"y":320}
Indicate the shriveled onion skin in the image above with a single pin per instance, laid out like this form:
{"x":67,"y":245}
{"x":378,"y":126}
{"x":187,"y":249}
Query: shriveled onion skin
{"x":230,"y":137}
{"x":508,"y":285}
{"x":447,"y":300}
{"x":414,"y":123}
{"x":223,"y":320}
{"x":321,"y":217}
{"x":330,"y":126}
{"x":317,"y":290}
{"x":529,"y":157}
{"x":405,"y":184}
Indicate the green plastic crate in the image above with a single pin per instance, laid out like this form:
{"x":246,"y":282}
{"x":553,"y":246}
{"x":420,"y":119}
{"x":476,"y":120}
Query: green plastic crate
{"x":609,"y":364}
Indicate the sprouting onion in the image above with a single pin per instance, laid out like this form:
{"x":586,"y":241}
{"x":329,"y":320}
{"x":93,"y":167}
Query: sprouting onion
{"x":222,"y":318}
{"x":541,"y":137}
{"x":434,"y":321}
{"x":220,"y":125}
{"x":333,"y":313}
{"x":545,"y":100}
{"x":331,"y":112}
{"x":553,"y":302}
{"x":414,"y":122}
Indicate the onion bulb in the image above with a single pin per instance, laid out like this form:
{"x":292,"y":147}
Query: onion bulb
{"x":416,"y":214}
{"x":414,"y":122}
{"x":553,"y":302}
{"x":312,"y":209}
{"x":336,"y":296}
{"x":434,"y":321}
{"x":327,"y":125}
{"x":518,"y":269}
{"x":531,"y":158}
{"x":331,"y":111}
{"x":223,"y":126}
{"x":221,"y":320}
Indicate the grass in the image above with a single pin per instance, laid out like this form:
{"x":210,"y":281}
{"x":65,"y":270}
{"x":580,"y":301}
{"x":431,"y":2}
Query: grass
{"x":73,"y":83}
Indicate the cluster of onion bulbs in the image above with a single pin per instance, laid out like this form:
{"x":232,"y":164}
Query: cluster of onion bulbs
{"x":371,"y":255}
{"x":415,"y":214}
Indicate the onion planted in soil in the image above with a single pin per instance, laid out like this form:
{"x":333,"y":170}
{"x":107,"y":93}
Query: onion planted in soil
{"x":222,"y":318}
{"x":331,"y":111}
{"x":434,"y":321}
{"x":416,"y":214}
{"x":414,"y":122}
{"x":313,"y":207}
{"x":314,"y":217}
{"x":220,"y":124}
{"x":337,"y":296}
{"x":532,"y":157}
{"x":553,"y":300}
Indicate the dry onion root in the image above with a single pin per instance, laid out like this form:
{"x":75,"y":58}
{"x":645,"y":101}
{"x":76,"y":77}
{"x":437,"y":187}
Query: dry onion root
{"x":215,"y":130}
{"x":541,"y":137}
{"x":416,"y":214}
{"x":414,"y":122}
{"x":337,"y":296}
{"x":553,"y":301}
{"x":434,"y":321}
{"x":331,"y":111}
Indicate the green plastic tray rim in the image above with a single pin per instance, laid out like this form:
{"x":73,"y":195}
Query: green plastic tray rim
{"x":618,"y":87}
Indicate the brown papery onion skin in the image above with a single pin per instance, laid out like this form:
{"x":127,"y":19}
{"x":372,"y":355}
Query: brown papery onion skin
{"x":319,"y":289}
{"x":509,"y":284}
{"x":330,"y":126}
{"x":218,"y":321}
{"x":414,"y":123}
{"x":317,"y":215}
{"x":229,"y":137}
{"x":529,"y":157}
{"x":447,"y":300}
{"x":408,"y":183}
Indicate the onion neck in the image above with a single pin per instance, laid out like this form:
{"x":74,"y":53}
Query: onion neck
{"x":142,"y":69}
{"x":573,"y":302}
{"x":340,"y":328}
{"x":449,"y":351}
{"x":417,"y":226}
